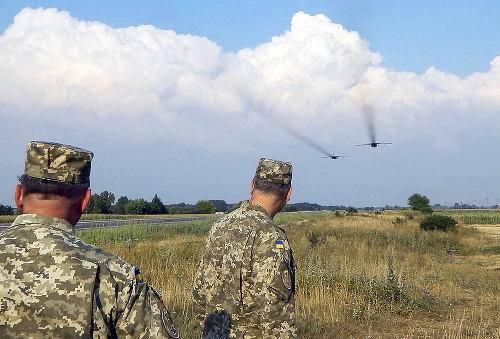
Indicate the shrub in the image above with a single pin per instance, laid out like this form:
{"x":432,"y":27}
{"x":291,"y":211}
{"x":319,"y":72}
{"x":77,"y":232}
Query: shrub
{"x":438,"y":222}
{"x":351,"y":210}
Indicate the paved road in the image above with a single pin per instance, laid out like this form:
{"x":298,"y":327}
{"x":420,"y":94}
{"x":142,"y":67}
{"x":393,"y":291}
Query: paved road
{"x":83,"y":224}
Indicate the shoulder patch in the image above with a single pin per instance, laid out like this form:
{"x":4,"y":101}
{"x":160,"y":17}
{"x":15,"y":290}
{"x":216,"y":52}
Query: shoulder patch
{"x":279,"y":243}
{"x":138,"y":275}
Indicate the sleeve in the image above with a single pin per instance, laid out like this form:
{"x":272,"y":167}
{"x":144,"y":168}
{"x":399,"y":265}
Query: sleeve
{"x":199,"y":295}
{"x":146,"y":308}
{"x":273,"y":276}
{"x":128,"y":307}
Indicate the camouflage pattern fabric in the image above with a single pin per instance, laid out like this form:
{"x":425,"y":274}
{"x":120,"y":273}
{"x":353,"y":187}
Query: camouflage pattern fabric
{"x":278,"y":172}
{"x":248,"y":271}
{"x":53,"y":285}
{"x":53,"y":161}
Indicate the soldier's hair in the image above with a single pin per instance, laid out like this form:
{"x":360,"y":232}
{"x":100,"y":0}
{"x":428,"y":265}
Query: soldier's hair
{"x":49,"y":189}
{"x":278,"y":190}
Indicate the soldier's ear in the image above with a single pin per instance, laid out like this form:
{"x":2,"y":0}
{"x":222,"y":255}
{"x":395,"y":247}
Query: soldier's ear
{"x":19,"y":197}
{"x":84,"y":199}
{"x":252,"y":187}
{"x":288,"y":194}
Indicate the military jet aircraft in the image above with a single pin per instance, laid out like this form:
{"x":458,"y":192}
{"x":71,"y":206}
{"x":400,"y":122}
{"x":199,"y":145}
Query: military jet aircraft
{"x":375,"y":144}
{"x":368,"y":113}
{"x":335,"y":157}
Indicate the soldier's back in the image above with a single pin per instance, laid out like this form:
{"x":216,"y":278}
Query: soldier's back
{"x":48,"y":281}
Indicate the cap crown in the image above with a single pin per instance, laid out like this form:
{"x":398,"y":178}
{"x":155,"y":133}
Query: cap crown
{"x":53,"y":161}
{"x":278,"y":172}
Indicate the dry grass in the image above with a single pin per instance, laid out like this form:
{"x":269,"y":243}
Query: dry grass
{"x":491,"y":230}
{"x":363,"y":276}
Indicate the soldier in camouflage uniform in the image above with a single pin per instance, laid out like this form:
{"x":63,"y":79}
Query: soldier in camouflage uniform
{"x":53,"y":285}
{"x":245,"y":284}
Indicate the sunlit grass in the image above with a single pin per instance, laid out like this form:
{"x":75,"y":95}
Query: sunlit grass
{"x":363,"y":276}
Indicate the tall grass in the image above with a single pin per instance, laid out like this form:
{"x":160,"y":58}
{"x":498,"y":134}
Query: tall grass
{"x":7,"y":219}
{"x":361,"y":276}
{"x":137,"y":232}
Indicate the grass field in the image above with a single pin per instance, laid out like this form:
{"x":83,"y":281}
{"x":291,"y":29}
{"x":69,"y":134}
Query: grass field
{"x":368,"y":275}
{"x":479,"y":217}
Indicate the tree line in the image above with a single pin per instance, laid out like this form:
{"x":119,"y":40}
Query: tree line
{"x":105,"y":203}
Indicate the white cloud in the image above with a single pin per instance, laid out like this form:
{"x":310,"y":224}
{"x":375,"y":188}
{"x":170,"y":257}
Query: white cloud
{"x":160,"y":83}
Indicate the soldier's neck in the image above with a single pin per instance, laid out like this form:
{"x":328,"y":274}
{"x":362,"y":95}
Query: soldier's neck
{"x":268,"y":202}
{"x":52,"y":207}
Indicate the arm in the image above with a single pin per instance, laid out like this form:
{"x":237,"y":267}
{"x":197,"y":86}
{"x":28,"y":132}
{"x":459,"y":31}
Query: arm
{"x":199,"y":295}
{"x":128,"y":307}
{"x":274,"y":285}
{"x":147,"y":309}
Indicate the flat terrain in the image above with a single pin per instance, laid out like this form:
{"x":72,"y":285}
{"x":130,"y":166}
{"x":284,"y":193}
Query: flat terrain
{"x":362,"y":275}
{"x":491,"y":230}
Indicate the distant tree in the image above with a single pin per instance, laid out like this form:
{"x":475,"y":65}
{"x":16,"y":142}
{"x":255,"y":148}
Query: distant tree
{"x":120,"y":205}
{"x":351,"y":210}
{"x":438,"y":222}
{"x":220,"y":205}
{"x":157,"y":207}
{"x":306,"y":206}
{"x":6,"y":210}
{"x":289,"y":208}
{"x":137,"y":206}
{"x":204,"y":207}
{"x":234,"y":206}
{"x":182,"y":207}
{"x":107,"y":200}
{"x":100,"y":203}
{"x":94,"y":205}
{"x":419,"y":203}
{"x":174,"y":210}
{"x":335,"y":208}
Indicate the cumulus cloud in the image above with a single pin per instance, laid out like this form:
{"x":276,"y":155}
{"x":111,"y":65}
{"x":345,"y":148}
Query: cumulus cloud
{"x":317,"y":74}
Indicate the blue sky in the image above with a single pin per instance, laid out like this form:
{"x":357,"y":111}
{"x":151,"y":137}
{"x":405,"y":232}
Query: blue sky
{"x":186,"y":106}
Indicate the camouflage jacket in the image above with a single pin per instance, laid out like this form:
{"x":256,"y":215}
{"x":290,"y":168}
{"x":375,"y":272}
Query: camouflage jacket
{"x":53,"y":285}
{"x":248,"y":271}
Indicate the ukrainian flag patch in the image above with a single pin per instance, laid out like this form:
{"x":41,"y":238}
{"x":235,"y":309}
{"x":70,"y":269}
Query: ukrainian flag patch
{"x":279,"y":243}
{"x":138,"y":275}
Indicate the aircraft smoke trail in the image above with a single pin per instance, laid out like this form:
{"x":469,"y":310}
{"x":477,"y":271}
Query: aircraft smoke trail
{"x":287,"y":128}
{"x":369,"y":120}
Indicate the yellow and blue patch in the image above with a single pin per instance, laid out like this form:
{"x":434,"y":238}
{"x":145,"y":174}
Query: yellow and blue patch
{"x":279,"y":244}
{"x":138,"y":275}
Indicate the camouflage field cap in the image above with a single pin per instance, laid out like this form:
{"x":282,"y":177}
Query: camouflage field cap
{"x":53,"y":161}
{"x":275,"y":171}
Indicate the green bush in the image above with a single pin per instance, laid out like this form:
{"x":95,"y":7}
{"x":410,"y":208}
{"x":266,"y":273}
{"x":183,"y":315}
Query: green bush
{"x":351,"y":210}
{"x":438,"y":222}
